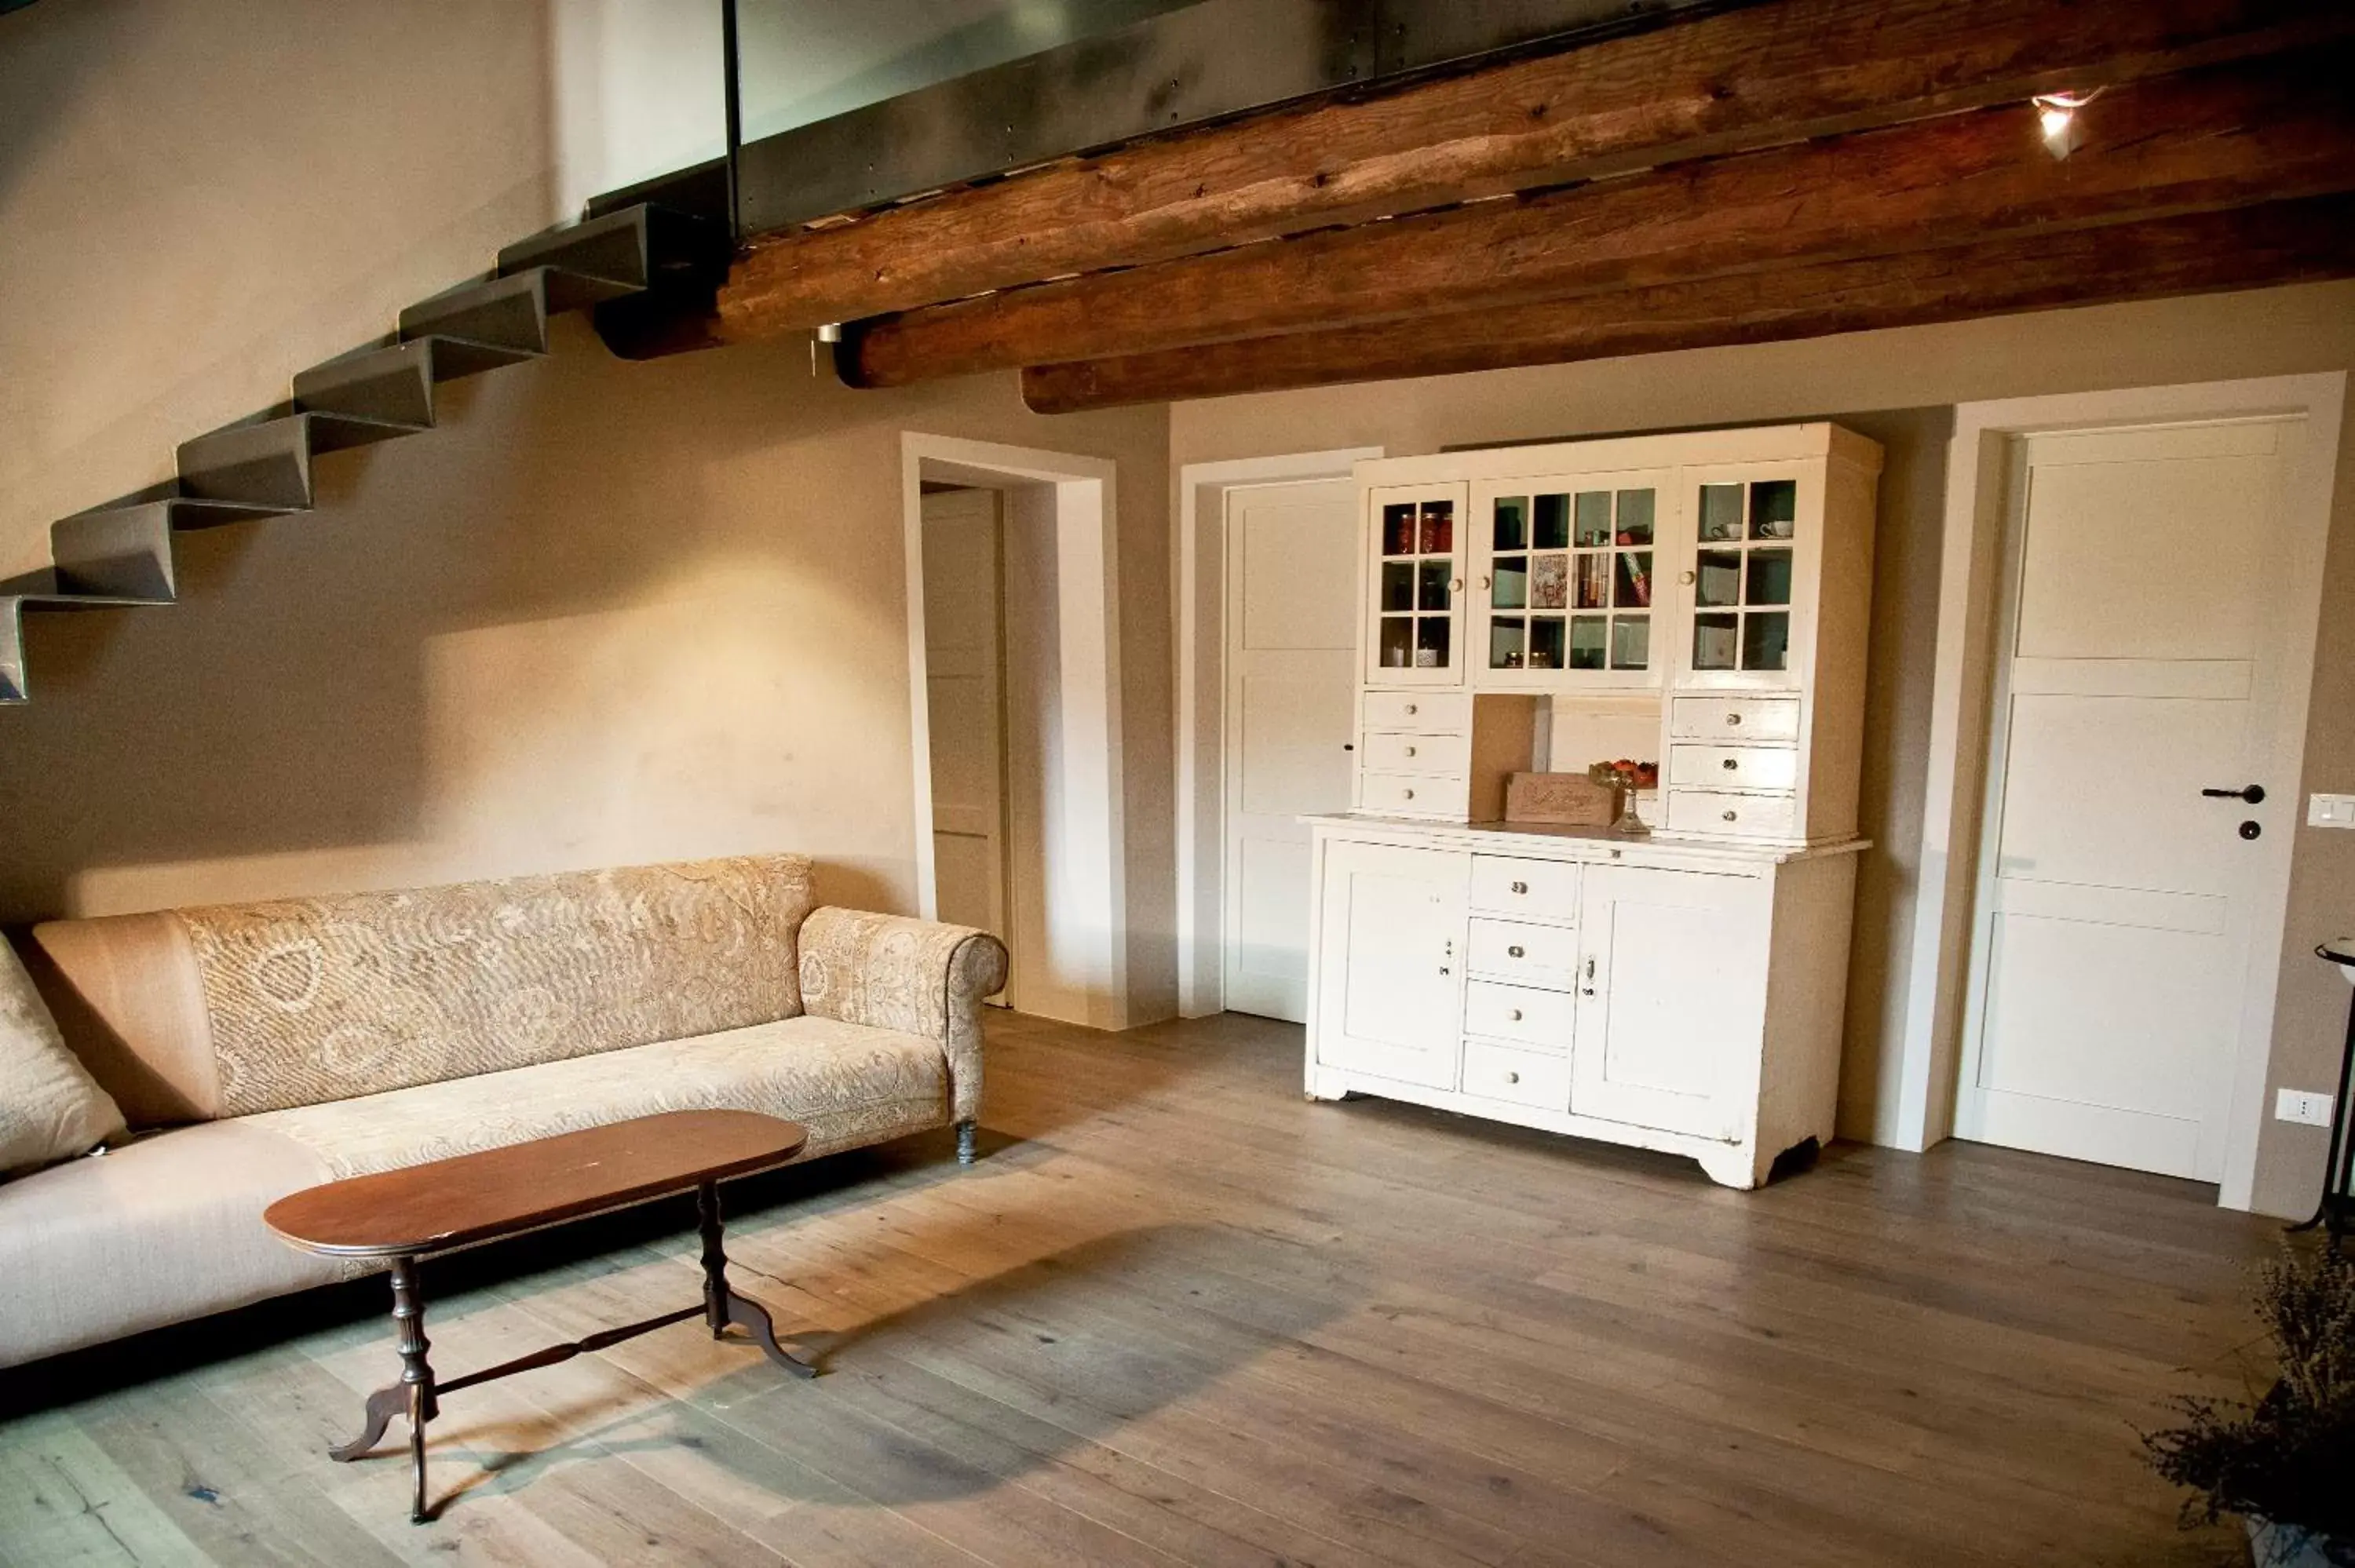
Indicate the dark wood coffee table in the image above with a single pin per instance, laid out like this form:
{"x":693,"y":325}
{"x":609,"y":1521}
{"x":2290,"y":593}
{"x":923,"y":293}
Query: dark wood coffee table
{"x":405,"y":1215}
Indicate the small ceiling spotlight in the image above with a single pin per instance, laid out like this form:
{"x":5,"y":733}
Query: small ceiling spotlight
{"x":2056,"y":116}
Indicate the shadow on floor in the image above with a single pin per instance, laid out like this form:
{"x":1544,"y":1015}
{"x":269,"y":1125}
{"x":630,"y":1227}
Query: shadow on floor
{"x":953,"y":1395}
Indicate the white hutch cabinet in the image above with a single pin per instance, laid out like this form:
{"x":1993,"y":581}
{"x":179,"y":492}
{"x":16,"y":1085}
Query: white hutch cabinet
{"x":1698,"y":598}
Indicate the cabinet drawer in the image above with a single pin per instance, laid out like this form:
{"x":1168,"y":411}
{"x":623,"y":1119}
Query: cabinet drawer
{"x":1524,"y":1077}
{"x":1741,"y":816}
{"x":1530,"y":955}
{"x":1730,"y":718}
{"x":1535,"y":1018}
{"x":1417,"y":753}
{"x":1546,"y":888}
{"x":1420,"y":794}
{"x":1431,"y":712}
{"x":1733,"y":766}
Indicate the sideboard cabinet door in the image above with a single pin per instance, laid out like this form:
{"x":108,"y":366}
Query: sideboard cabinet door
{"x":1389,"y":968}
{"x":1671,"y":998}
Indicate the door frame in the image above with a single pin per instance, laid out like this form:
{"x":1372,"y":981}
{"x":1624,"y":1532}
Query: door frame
{"x":1198,"y":585}
{"x":1086,"y":917}
{"x":1970,"y":568}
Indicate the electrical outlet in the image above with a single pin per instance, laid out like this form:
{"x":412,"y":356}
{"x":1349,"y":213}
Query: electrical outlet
{"x":2330,"y":810}
{"x":2304,"y":1106}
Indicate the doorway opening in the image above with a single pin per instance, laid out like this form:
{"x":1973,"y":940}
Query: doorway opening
{"x":1013,"y":655}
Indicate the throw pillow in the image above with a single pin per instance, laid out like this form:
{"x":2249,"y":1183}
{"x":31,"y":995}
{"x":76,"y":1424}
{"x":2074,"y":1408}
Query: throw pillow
{"x":50,"y":1107}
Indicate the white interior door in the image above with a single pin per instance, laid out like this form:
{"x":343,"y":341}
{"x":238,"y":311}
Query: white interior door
{"x":1290,"y":663}
{"x":2139,"y":665}
{"x":963,"y":680}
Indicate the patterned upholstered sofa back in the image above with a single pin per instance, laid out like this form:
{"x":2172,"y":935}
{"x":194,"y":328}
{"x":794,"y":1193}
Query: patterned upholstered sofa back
{"x":236,"y":1008}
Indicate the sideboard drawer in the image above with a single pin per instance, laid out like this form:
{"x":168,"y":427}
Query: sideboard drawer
{"x":1528,"y":955}
{"x":1413,"y":794}
{"x":1738,"y":816}
{"x":1733,"y":766}
{"x":1735,"y":718}
{"x":1428,"y":711}
{"x":1416,"y":753}
{"x":1536,"y":1018}
{"x":1523,"y":1077}
{"x":1547,"y":889}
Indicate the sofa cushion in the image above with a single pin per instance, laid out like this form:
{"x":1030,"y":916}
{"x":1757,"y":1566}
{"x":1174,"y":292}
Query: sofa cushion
{"x":165,"y":1229}
{"x":311,"y":1000}
{"x":125,"y":992}
{"x":847,"y":1084}
{"x":50,"y":1107}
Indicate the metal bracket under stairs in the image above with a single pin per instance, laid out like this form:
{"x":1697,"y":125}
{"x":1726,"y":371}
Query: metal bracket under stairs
{"x":120,"y":556}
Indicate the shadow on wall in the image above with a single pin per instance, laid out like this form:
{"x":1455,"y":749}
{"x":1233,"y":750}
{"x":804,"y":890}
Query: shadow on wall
{"x":607,"y":612}
{"x":43,"y":63}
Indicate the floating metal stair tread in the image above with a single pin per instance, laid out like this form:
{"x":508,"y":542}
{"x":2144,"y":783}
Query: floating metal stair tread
{"x":638,"y":246}
{"x":269,"y":461}
{"x":510,"y":311}
{"x":125,"y":551}
{"x":40,"y":590}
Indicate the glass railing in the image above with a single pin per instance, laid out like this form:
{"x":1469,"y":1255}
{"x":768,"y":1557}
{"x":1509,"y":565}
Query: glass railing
{"x":806,"y":60}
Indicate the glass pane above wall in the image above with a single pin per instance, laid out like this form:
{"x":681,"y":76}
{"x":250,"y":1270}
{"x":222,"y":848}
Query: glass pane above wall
{"x":806,"y":60}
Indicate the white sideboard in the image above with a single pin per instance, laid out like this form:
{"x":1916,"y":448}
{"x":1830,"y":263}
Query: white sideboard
{"x":1681,"y":997}
{"x":1700,"y":600}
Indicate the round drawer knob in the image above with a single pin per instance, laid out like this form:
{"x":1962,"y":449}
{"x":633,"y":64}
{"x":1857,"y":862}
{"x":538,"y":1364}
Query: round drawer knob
{"x":1520,"y":887}
{"x":1730,"y":719}
{"x":1731,"y":763}
{"x":1512,"y":1078}
{"x":1514,"y":1015}
{"x":1729,"y":816}
{"x":1684,"y":577}
{"x":1410,"y":708}
{"x":1517,"y":953}
{"x":1410,"y":751}
{"x":1409,"y":794}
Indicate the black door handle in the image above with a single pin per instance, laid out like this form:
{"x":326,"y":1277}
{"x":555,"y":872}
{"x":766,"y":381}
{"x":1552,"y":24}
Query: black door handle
{"x":2255,"y":794}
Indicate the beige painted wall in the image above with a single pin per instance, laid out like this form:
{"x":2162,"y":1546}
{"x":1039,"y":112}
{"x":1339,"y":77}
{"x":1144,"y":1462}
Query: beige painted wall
{"x":199,"y":197}
{"x":1898,"y":387}
{"x":609,"y":613}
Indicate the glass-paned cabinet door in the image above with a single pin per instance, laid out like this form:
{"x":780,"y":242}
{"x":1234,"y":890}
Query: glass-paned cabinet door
{"x":1562,"y":591}
{"x":1414,"y":624}
{"x":1756,"y":535}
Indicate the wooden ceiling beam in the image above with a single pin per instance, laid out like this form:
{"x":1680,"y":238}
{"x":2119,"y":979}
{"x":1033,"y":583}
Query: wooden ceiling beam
{"x":1756,"y":77}
{"x":2285,"y":242}
{"x":2201,"y":141}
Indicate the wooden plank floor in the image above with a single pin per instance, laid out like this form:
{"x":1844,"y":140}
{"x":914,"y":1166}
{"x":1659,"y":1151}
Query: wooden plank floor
{"x":1179,"y":1316}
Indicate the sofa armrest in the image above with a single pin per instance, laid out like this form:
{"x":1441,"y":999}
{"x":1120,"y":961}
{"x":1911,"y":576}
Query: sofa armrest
{"x":918,"y":977}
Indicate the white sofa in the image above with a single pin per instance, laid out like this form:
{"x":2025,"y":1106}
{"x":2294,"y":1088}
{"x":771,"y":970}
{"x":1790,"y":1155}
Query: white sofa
{"x":257,"y":1049}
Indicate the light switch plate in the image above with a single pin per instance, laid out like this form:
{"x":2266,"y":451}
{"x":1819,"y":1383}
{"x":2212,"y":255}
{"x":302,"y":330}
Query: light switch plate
{"x":2330,"y":810}
{"x":2305,"y":1106}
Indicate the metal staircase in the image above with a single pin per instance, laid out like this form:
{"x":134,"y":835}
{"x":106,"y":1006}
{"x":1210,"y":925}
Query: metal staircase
{"x":632,"y":267}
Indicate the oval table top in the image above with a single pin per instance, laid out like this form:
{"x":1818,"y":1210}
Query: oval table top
{"x":504,"y":1192}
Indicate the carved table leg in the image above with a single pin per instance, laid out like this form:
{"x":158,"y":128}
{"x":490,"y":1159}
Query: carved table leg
{"x":416,"y":1375}
{"x":722,"y":1306}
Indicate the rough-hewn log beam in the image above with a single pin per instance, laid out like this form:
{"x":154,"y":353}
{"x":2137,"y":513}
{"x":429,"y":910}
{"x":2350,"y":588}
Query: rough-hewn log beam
{"x":2201,"y":141}
{"x":1755,"y":77}
{"x":2285,"y":242}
